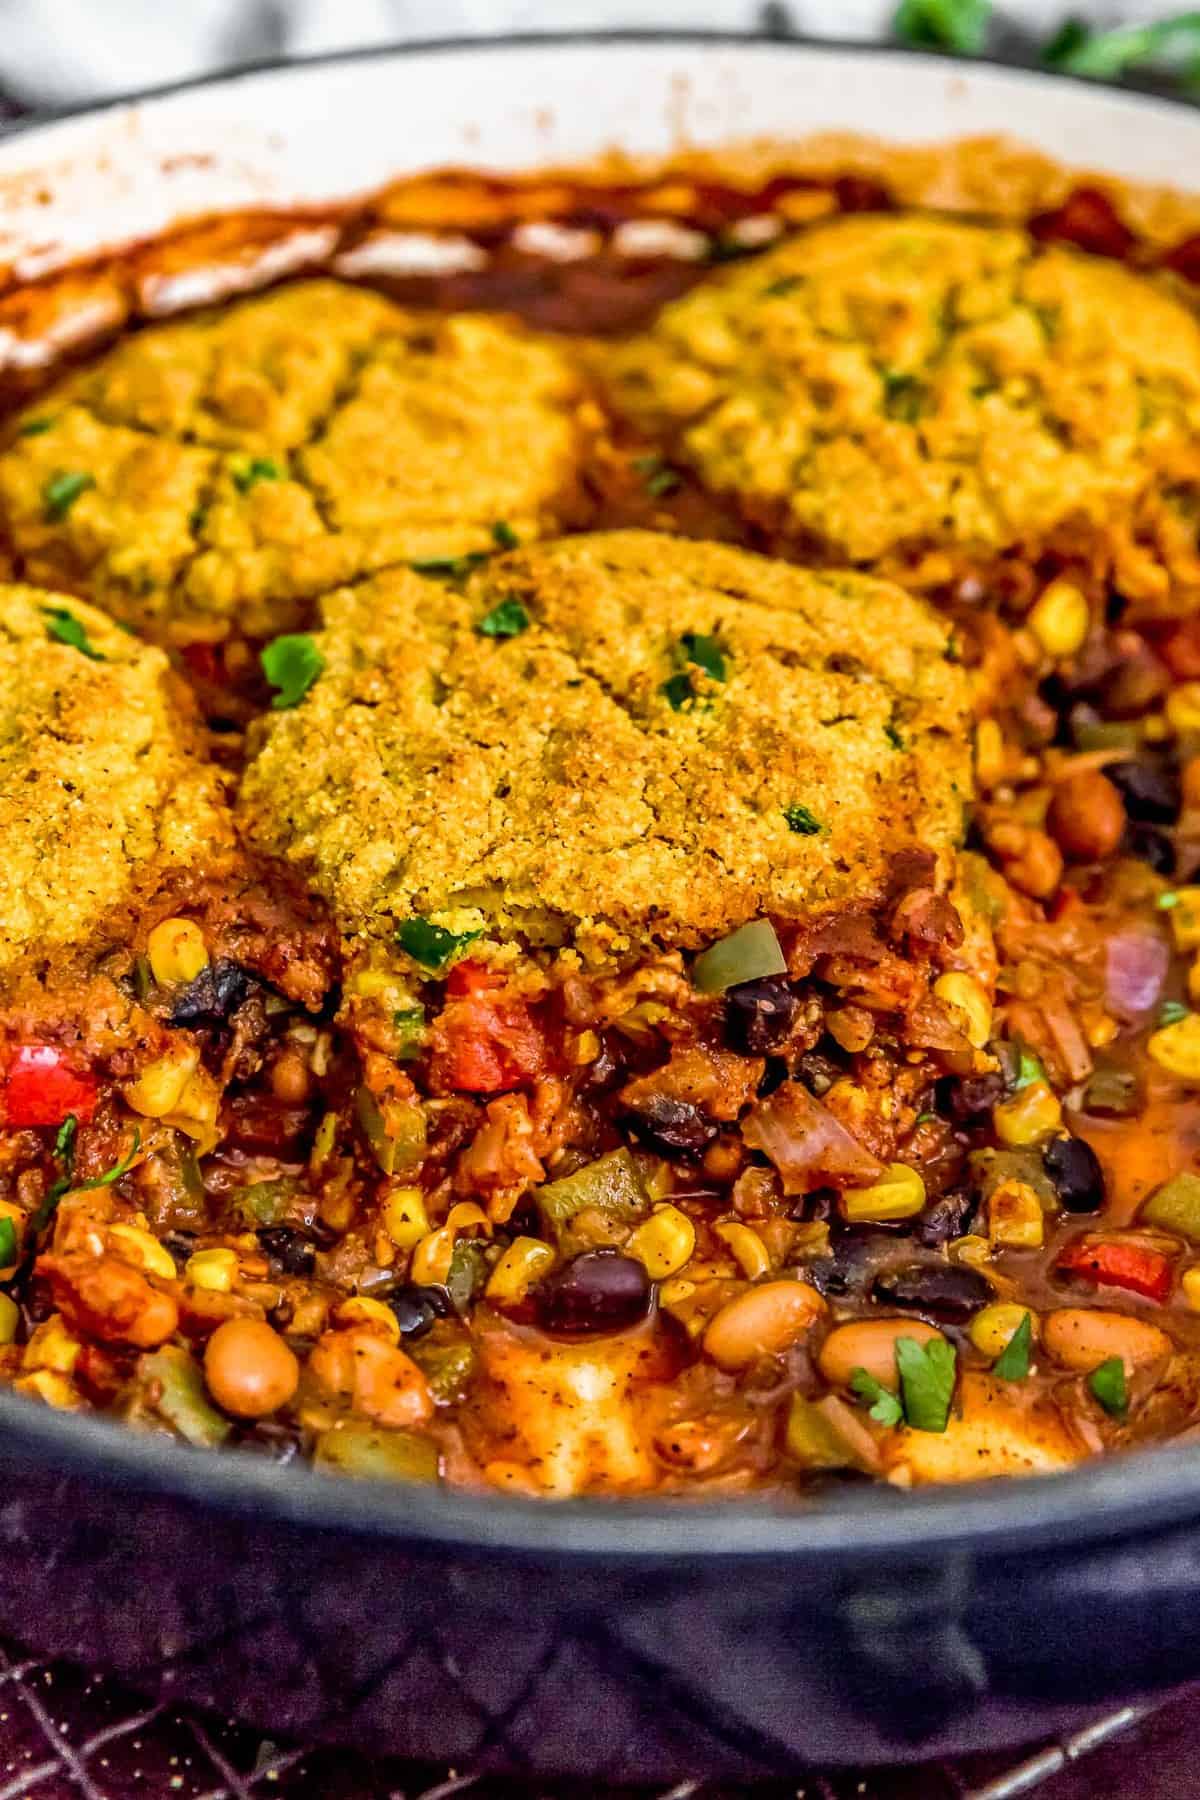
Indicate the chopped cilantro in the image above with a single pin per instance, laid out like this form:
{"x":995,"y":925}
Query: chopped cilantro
{"x":449,"y":568}
{"x":1173,"y":43}
{"x":64,"y":1155}
{"x":36,"y":427}
{"x":63,"y":489}
{"x":504,"y":535}
{"x":725,"y":247}
{"x":885,"y":1407}
{"x":893,"y":736}
{"x":926,"y":1381}
{"x":903,"y":396}
{"x":1012,"y":1364}
{"x":8,"y":1243}
{"x":658,"y":477}
{"x":1108,"y":1385}
{"x":694,"y":650}
{"x":1029,"y":1070}
{"x":259,"y":468}
{"x":1167,"y":902}
{"x":432,"y":945}
{"x":799,"y":819}
{"x":409,"y":1024}
{"x":706,"y":653}
{"x":925,"y":1118}
{"x":953,"y":649}
{"x":65,"y":628}
{"x":507,"y":620}
{"x":64,"y":1141}
{"x":958,"y":25}
{"x":786,"y":284}
{"x":1172,"y":1011}
{"x":291,"y":664}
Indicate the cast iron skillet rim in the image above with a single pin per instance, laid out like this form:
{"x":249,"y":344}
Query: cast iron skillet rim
{"x":1151,"y":1490}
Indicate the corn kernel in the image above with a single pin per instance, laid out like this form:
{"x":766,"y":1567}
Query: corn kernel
{"x":989,"y":753}
{"x":10,"y":1210}
{"x":973,"y":1250}
{"x":324,"y":1139}
{"x":1189,"y":1282}
{"x":1176,"y":1048}
{"x":1032,"y":1113}
{"x":176,"y":951}
{"x":524,"y":1262}
{"x":1015,"y":1216}
{"x":54,"y":1389}
{"x":52,"y":1347}
{"x":991,"y":1330}
{"x":663,"y":1244}
{"x":432,"y":1257}
{"x":586,"y":1048}
{"x":10,"y":1318}
{"x":466,"y":1216}
{"x":749,"y":1251}
{"x":1185,"y":918}
{"x":1059,"y":619}
{"x":968,"y":997}
{"x":405,"y":1218}
{"x":195,"y":1112}
{"x":145,"y":1250}
{"x":675,"y":1292}
{"x":900,"y":1195}
{"x":1183,"y":708}
{"x":213,"y":1270}
{"x":160,"y":1086}
{"x":361,"y":1309}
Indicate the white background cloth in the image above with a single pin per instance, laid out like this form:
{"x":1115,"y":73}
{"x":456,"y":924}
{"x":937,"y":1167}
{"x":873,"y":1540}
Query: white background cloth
{"x":54,"y":52}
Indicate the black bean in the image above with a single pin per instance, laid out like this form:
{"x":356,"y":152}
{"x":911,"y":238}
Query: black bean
{"x":217,"y":991}
{"x":948,"y":1217}
{"x":971,"y":1097}
{"x":671,"y":1125}
{"x":759,"y":1015}
{"x":1152,"y":846}
{"x":818,"y":1073}
{"x":417,"y":1309}
{"x":947,"y":1291}
{"x":289,"y":1248}
{"x":1149,"y":788}
{"x":850,"y":1264}
{"x":600,"y":1290}
{"x":1074,"y":1168}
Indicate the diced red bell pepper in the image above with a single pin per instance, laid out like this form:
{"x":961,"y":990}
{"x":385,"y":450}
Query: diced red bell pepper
{"x":485,"y":1046}
{"x":1112,"y":1263}
{"x":39,"y":1089}
{"x":472,"y":978}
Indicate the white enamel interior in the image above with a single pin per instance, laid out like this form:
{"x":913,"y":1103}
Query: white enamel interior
{"x":318,"y":132}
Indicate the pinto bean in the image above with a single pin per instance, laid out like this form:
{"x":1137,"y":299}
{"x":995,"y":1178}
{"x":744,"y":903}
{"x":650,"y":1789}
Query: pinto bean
{"x":1086,"y":816}
{"x":762,"y":1322}
{"x":869,"y":1344}
{"x":1082,"y":1337}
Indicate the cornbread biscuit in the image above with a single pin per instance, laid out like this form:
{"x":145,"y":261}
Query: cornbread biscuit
{"x":217,"y":472}
{"x":102,"y":789}
{"x":922,"y":397}
{"x":672,"y":738}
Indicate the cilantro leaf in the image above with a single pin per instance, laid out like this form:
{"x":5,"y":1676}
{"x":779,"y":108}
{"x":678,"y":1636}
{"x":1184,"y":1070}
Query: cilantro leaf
{"x":64,"y":1142}
{"x":885,"y":1408}
{"x":1106,"y":55}
{"x":958,"y":25}
{"x":507,"y":620}
{"x":449,"y":568}
{"x":291,"y":664}
{"x":65,"y":628}
{"x":1108,"y":1385}
{"x":903,"y":396}
{"x":893,"y":736}
{"x":259,"y":468}
{"x":64,"y":1155}
{"x":504,"y":535}
{"x":1029,"y":1070}
{"x":119,"y":1168}
{"x":62,"y":490}
{"x":786,"y":284}
{"x":432,"y":945}
{"x":36,"y":427}
{"x":927,"y":1374}
{"x":706,"y":653}
{"x":658,"y":477}
{"x":8,"y":1243}
{"x":1171,"y":1013}
{"x":1012,"y":1364}
{"x":799,"y":819}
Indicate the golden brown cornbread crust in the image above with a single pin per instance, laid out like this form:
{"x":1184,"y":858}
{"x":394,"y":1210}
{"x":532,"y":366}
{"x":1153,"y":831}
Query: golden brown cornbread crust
{"x":921,"y":396}
{"x":245,"y":460}
{"x":102,"y":792}
{"x":543,"y":784}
